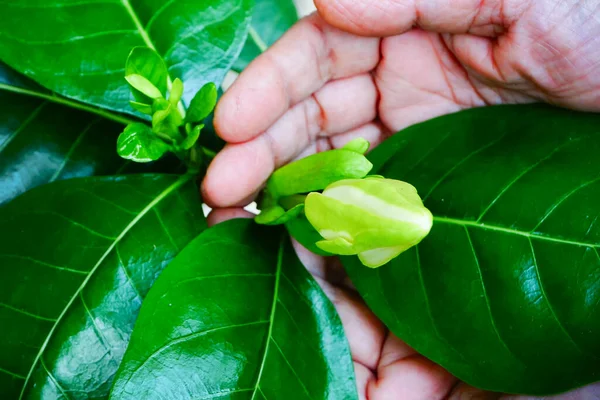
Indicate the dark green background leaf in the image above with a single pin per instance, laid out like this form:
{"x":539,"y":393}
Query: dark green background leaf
{"x":237,"y":316}
{"x":505,"y":291}
{"x":78,"y":49}
{"x":41,"y":141}
{"x":76,"y":259}
{"x":270,"y":20}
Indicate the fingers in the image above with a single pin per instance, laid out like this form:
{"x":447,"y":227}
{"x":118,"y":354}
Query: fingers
{"x":404,"y":374}
{"x":373,"y":132}
{"x":364,"y":376}
{"x":392,"y":17}
{"x":300,"y":63}
{"x":241,"y":169}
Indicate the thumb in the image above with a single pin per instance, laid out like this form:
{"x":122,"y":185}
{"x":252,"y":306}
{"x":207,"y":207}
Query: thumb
{"x":392,"y":17}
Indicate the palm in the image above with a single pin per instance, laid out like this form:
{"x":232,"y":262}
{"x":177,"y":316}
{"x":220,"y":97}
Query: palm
{"x":320,"y":86}
{"x":535,"y":61}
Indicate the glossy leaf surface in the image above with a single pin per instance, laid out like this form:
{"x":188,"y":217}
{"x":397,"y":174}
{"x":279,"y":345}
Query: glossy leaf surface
{"x":42,"y":141}
{"x":146,"y":62}
{"x":237,"y":316}
{"x":270,"y":20}
{"x":76,"y":259}
{"x":203,"y":103}
{"x":505,"y":291}
{"x":140,"y":144}
{"x":79,"y":48}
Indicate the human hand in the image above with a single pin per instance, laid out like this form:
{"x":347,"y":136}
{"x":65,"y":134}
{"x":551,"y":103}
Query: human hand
{"x":319,"y":85}
{"x":358,"y":69}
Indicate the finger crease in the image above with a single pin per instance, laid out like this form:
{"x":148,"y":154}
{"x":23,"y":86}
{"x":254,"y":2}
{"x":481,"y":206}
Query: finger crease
{"x":321,"y":119}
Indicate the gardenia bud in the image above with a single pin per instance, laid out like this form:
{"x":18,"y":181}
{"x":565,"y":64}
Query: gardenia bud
{"x":376,"y":218}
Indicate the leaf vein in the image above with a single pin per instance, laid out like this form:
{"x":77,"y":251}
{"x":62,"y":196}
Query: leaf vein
{"x":53,"y":379}
{"x":68,"y":40}
{"x":24,"y":312}
{"x":164,"y":228}
{"x":45,"y":264}
{"x":199,"y":28}
{"x":67,"y":102}
{"x":126,"y":272}
{"x":487,"y":301}
{"x":15,"y":375}
{"x":271,"y":317}
{"x":23,"y":125}
{"x":291,"y":367}
{"x":189,"y":337}
{"x":72,"y":221}
{"x":523,"y":173}
{"x":495,"y":228}
{"x":53,"y":5}
{"x":95,"y":326}
{"x":173,"y":187}
{"x":76,"y":143}
{"x":547,"y":300}
{"x":158,"y":12}
{"x":563,"y":199}
{"x":461,"y":162}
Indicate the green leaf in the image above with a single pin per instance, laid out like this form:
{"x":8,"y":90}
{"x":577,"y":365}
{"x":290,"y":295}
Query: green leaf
{"x":270,"y":20}
{"x":192,"y":138}
{"x":144,"y":86}
{"x":301,"y":230}
{"x":176,"y":92}
{"x":140,"y":144}
{"x":141,"y":107}
{"x":209,"y":137}
{"x":236,"y":315}
{"x":160,"y":116}
{"x":277,"y":215}
{"x":505,"y":290}
{"x":77,"y":258}
{"x":43,"y":139}
{"x":146,"y":62}
{"x":78,"y":49}
{"x":202,"y":104}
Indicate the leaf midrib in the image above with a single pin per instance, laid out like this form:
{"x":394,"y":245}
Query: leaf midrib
{"x":161,"y":196}
{"x":69,"y":103}
{"x":271,"y":317}
{"x":495,"y":228}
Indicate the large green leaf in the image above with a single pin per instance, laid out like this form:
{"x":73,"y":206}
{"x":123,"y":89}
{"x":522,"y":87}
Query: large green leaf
{"x":78,"y":48}
{"x":76,"y":259}
{"x":237,"y":316}
{"x":42,"y":141}
{"x":505,"y":291}
{"x":270,"y":20}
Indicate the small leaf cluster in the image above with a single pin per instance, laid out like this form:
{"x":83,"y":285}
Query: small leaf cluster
{"x":173,"y":129}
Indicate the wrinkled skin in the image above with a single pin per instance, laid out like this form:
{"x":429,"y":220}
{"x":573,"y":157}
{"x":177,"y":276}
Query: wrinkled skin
{"x":359,"y":68}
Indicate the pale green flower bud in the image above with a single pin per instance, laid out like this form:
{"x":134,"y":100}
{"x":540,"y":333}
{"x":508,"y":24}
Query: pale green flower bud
{"x":375,"y":218}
